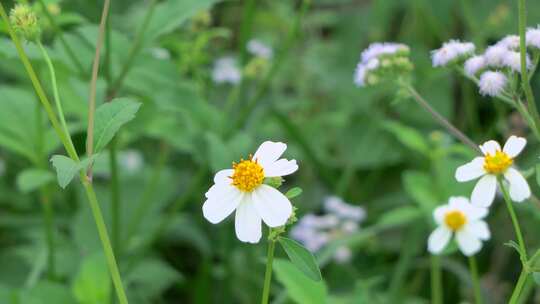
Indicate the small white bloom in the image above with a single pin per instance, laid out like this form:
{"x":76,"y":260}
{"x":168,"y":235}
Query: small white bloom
{"x":513,"y":61}
{"x":362,"y":69}
{"x":257,"y":48}
{"x":451,"y":51}
{"x":495,"y":54}
{"x":533,"y":37}
{"x":492,"y":83}
{"x":496,"y":162}
{"x":131,"y":160}
{"x":377,"y":49}
{"x":337,"y":206}
{"x":463,"y":220}
{"x":511,"y":42}
{"x":226,"y":71}
{"x":474,"y":64}
{"x":242,"y":189}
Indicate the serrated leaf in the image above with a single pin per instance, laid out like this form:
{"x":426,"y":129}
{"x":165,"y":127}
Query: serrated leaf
{"x":302,"y":258}
{"x":32,"y":179}
{"x":110,"y":117}
{"x":299,"y":288}
{"x":294,"y":192}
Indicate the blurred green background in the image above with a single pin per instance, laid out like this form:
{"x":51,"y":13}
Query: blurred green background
{"x":373,"y":147}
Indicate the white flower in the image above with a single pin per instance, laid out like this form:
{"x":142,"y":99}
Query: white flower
{"x":377,"y":49}
{"x":496,"y":162}
{"x":257,"y":48}
{"x":337,"y":206}
{"x":362,"y":69}
{"x":495,"y":54}
{"x":513,"y":61}
{"x":463,"y":220}
{"x":226,"y":71}
{"x":474,"y":64}
{"x":242,"y":189}
{"x":510,"y":42}
{"x":533,"y":37}
{"x":131,"y":160}
{"x":450,"y":51}
{"x":492,"y":83}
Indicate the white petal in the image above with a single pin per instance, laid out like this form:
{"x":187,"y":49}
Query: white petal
{"x":218,"y":207}
{"x":439,"y":213}
{"x":472,"y":212}
{"x":223,"y":176}
{"x":281,"y":167}
{"x":468,"y":243}
{"x":514,"y":145}
{"x":484,"y":192}
{"x":438,"y":239}
{"x":478,"y":229}
{"x":268,"y":152}
{"x":458,"y":202}
{"x":273,"y":207}
{"x":471,"y":170}
{"x":247,"y":222}
{"x":519,"y":188}
{"x":490,"y":147}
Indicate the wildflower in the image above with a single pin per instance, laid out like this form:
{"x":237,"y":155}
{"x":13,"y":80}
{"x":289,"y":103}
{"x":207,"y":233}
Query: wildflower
{"x":510,"y":42}
{"x":377,"y":49}
{"x":360,"y":74}
{"x":492,"y":165}
{"x":492,"y":83}
{"x":495,"y":54}
{"x":463,"y":220}
{"x":450,"y":51}
{"x":512,"y":60}
{"x":25,"y":22}
{"x":382,"y":61}
{"x":340,"y":220}
{"x":259,"y":49}
{"x":226,"y":71}
{"x":474,"y":64}
{"x":533,"y":37}
{"x":242,"y":189}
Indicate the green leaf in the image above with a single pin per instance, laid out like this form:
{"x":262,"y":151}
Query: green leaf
{"x":398,"y":216}
{"x":294,"y":192}
{"x":155,"y":275}
{"x":300,"y":288}
{"x":32,"y":179}
{"x":301,"y":258}
{"x":92,"y":284}
{"x":408,"y":137}
{"x":110,"y":117}
{"x":420,"y":187}
{"x":66,"y":168}
{"x":536,"y":277}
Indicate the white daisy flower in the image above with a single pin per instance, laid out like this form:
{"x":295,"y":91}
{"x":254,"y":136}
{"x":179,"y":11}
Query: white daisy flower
{"x":495,"y":54}
{"x":450,"y":51}
{"x":226,"y":71}
{"x":492,"y":83}
{"x":495,"y":163}
{"x":533,"y":37}
{"x":474,"y":64}
{"x":463,"y":220}
{"x":259,"y":49}
{"x":242,"y":189}
{"x":510,"y":42}
{"x":513,"y":61}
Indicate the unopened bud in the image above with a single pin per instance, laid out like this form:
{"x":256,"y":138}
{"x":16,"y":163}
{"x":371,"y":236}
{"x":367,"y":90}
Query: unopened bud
{"x":25,"y":22}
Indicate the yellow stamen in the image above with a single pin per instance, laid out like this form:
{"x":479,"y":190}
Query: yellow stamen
{"x":455,"y":220}
{"x":498,"y":163}
{"x":248,"y":174}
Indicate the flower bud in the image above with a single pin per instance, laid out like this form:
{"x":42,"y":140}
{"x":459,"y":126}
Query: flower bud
{"x":25,"y":22}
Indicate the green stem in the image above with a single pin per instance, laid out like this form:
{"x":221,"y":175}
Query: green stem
{"x":524,"y":73}
{"x":115,"y":198}
{"x":268,"y":271}
{"x":475,"y":280}
{"x":56,"y":94}
{"x":515,"y":222}
{"x":48,"y":219}
{"x":65,"y":45}
{"x":103,"y":236}
{"x":436,"y":280}
{"x":519,"y":287}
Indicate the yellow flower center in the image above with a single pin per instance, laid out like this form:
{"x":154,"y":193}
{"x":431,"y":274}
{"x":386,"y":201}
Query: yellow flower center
{"x":498,"y":163}
{"x":248,"y":174}
{"x":455,"y":220}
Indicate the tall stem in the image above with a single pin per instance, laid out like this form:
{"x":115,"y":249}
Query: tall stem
{"x":115,"y":198}
{"x":515,"y":222}
{"x":268,"y":272}
{"x":440,"y":119}
{"x":436,"y":280}
{"x":473,"y":268}
{"x":519,"y":287}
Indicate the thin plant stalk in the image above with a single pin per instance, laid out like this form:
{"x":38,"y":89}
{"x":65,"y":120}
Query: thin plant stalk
{"x":268,"y":271}
{"x":516,"y":293}
{"x":473,"y":268}
{"x":515,"y":222}
{"x":115,"y":197}
{"x":436,"y":280}
{"x":48,"y":219}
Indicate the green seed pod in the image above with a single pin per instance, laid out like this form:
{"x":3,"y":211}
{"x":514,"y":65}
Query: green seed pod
{"x":25,"y":22}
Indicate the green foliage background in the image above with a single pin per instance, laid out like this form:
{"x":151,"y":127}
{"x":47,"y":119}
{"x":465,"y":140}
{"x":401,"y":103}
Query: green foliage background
{"x":370,"y":146}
